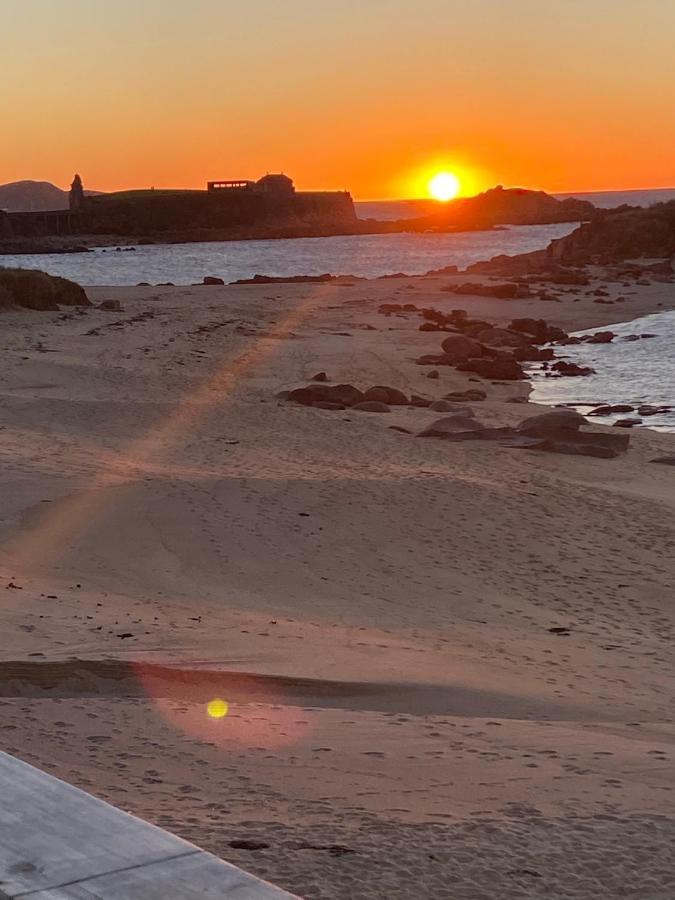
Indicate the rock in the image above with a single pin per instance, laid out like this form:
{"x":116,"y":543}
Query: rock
{"x":538,"y":329}
{"x":111,"y":306}
{"x":451,"y":425}
{"x":320,"y":376}
{"x":394,"y":396}
{"x":560,"y":430}
{"x":648,"y":410}
{"x":607,"y":409}
{"x":664,"y":460}
{"x":372,"y":406}
{"x":551,"y":424}
{"x":433,"y":374}
{"x":447,"y":407}
{"x":345,"y":394}
{"x":501,"y":337}
{"x":400,"y":428}
{"x":326,"y":404}
{"x":571,"y":369}
{"x":627,"y":423}
{"x":498,"y":369}
{"x":600,"y":337}
{"x":471,"y":395}
{"x":248,"y":845}
{"x":422,"y":402}
{"x":377,"y":395}
{"x":530,"y":353}
{"x":213,"y":280}
{"x":460,"y":348}
{"x":290,"y":279}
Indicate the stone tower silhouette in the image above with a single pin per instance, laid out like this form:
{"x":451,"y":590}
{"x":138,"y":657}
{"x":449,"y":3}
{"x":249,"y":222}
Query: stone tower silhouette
{"x":76,"y":194}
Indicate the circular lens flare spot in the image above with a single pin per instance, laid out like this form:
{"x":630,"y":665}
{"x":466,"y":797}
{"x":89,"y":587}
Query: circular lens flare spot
{"x":444,"y":186}
{"x":217,"y":709}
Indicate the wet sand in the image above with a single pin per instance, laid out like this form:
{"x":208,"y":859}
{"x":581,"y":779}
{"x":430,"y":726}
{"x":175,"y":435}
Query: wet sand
{"x":375,"y":609}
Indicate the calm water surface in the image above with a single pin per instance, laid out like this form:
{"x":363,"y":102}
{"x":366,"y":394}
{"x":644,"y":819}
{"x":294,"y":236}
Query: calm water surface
{"x":366,"y":255}
{"x":635,"y":372}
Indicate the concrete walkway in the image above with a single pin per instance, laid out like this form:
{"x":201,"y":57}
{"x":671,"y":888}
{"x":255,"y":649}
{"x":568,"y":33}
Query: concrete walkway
{"x":59,"y":843}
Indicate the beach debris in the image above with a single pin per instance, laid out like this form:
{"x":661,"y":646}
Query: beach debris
{"x":320,"y":376}
{"x":664,"y":460}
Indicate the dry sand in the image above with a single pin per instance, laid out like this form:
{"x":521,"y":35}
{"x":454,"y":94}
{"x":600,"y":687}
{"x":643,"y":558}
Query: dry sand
{"x":374,"y":608}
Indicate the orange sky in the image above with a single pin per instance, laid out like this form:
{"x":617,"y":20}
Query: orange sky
{"x":371,"y":95}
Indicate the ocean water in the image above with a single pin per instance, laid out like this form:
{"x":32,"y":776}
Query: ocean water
{"x":368,"y":255}
{"x":633,"y":372}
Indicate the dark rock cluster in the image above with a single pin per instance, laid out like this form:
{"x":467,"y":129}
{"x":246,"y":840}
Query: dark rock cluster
{"x":558,"y":431}
{"x":473,"y":345}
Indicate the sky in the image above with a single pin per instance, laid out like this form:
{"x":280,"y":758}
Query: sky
{"x":373,"y":96}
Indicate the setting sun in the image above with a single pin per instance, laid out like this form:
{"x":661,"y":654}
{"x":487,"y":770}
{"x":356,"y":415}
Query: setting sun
{"x":444,"y":186}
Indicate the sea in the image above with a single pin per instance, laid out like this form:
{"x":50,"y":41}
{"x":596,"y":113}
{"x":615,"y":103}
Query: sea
{"x":640,"y":372}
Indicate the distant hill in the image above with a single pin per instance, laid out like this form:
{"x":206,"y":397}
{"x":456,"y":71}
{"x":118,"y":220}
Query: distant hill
{"x":33,"y":196}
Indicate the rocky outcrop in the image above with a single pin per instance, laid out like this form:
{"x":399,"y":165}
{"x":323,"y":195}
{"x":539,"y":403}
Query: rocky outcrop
{"x":612,"y":236}
{"x":504,"y":206}
{"x":38,"y":291}
{"x":618,"y":235}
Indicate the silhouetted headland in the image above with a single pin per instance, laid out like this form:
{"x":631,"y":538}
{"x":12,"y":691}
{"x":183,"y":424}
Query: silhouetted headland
{"x":248,"y":210}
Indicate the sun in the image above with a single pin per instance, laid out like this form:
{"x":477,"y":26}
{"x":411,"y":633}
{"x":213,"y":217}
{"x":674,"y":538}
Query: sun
{"x":444,"y":186}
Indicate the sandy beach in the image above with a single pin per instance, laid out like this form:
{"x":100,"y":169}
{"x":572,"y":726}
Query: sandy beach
{"x":375,"y":610}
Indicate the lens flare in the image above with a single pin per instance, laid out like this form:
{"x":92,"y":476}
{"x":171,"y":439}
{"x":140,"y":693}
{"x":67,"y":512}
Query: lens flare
{"x":217,"y":709}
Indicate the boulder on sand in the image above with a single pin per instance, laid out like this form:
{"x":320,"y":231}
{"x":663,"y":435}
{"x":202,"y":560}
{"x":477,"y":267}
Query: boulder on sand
{"x":451,"y":425}
{"x":501,"y":368}
{"x":549,"y":424}
{"x":447,"y":407}
{"x":559,"y":432}
{"x":461,"y":348}
{"x":471,"y":395}
{"x":389,"y":395}
{"x":345,"y":394}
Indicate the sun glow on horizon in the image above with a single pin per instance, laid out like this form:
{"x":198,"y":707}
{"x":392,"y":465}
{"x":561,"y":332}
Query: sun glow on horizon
{"x":444,"y":186}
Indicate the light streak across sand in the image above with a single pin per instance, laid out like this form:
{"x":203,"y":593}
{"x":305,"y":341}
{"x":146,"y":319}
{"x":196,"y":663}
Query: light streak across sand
{"x":38,"y":545}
